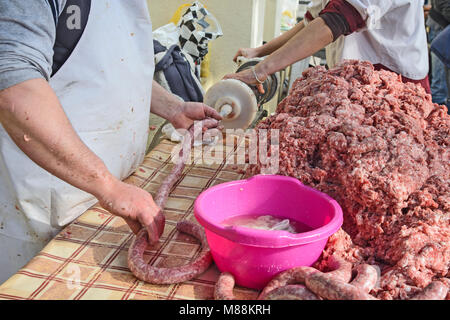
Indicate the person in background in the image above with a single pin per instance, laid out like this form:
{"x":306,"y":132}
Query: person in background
{"x":438,"y":18}
{"x":76,"y":90}
{"x":426,"y":9}
{"x":389,"y":34}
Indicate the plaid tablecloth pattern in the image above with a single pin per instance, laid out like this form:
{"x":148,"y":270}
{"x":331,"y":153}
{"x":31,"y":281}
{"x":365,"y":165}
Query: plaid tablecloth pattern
{"x":88,"y":259}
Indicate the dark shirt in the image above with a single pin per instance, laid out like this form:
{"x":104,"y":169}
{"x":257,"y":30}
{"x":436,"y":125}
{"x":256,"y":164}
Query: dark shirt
{"x":440,"y":12}
{"x":71,"y":24}
{"x":35,"y":39}
{"x":342,"y":18}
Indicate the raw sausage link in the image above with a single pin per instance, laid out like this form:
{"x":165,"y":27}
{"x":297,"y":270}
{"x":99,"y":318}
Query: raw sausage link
{"x":145,"y":272}
{"x":436,"y":290}
{"x":295,"y":275}
{"x":366,"y":278}
{"x":342,"y":269}
{"x":328,"y":287}
{"x":291,"y":292}
{"x":136,"y":262}
{"x":224,"y":287}
{"x":177,"y":171}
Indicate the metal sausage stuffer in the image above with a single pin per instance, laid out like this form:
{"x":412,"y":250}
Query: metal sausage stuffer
{"x":237,"y":102}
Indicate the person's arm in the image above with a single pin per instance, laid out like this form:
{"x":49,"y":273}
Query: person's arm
{"x":309,"y":40}
{"x":278,"y":42}
{"x":181,"y":114}
{"x":33,"y":117}
{"x":270,"y":46}
{"x":337,"y":18}
{"x":31,"y":114}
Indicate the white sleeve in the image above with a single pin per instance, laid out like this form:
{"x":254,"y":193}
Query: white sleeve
{"x":373,"y":10}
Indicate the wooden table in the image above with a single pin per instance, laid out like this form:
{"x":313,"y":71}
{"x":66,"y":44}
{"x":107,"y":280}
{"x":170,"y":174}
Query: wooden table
{"x":88,"y":259}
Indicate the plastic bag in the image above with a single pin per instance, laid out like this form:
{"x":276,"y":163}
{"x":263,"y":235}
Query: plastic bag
{"x":167,"y":35}
{"x":197,"y":28}
{"x":173,"y":135}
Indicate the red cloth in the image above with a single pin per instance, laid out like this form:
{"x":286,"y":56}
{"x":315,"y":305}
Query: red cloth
{"x":351,"y":15}
{"x":309,"y":16}
{"x":424,"y":82}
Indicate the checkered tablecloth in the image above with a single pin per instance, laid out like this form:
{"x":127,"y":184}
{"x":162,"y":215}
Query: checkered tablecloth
{"x":88,"y":259}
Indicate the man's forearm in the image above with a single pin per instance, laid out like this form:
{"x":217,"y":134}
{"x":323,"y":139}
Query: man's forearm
{"x":279,"y":41}
{"x":315,"y":36}
{"x":32,"y":115}
{"x":164,"y":103}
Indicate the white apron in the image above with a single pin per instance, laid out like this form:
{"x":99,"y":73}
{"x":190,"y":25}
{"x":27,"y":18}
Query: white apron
{"x":395,"y":36}
{"x":105,"y":90}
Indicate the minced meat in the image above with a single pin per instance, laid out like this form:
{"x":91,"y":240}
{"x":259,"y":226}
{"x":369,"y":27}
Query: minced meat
{"x":380,"y":147}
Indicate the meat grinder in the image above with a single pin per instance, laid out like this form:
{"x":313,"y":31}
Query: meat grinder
{"x":238,"y":103}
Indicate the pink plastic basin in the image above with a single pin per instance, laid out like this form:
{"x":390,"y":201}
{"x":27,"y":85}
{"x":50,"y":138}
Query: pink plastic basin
{"x":255,"y":256}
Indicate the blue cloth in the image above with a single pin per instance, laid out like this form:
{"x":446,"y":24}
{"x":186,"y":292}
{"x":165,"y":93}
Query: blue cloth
{"x":441,"y":46}
{"x":439,"y":90}
{"x":177,"y":72}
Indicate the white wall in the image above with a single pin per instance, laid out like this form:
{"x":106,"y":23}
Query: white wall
{"x":272,"y":19}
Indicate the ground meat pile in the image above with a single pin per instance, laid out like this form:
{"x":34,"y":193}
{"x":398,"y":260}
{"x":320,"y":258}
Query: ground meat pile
{"x":380,"y":147}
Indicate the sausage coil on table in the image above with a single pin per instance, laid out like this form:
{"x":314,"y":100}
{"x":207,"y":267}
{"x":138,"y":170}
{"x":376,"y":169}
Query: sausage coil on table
{"x":331,"y":288}
{"x":145,"y":272}
{"x":295,"y":275}
{"x":291,"y":292}
{"x":289,"y":284}
{"x":223,"y":289}
{"x":366,"y":278}
{"x":341,"y":271}
{"x":308,"y":283}
{"x":436,"y":290}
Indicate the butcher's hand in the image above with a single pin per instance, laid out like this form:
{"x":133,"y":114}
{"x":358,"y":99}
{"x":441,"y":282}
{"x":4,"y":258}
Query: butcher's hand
{"x":188,"y":112}
{"x":247,"y":53}
{"x":135,"y":206}
{"x":27,"y":109}
{"x":182,"y":114}
{"x":248,"y":76}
